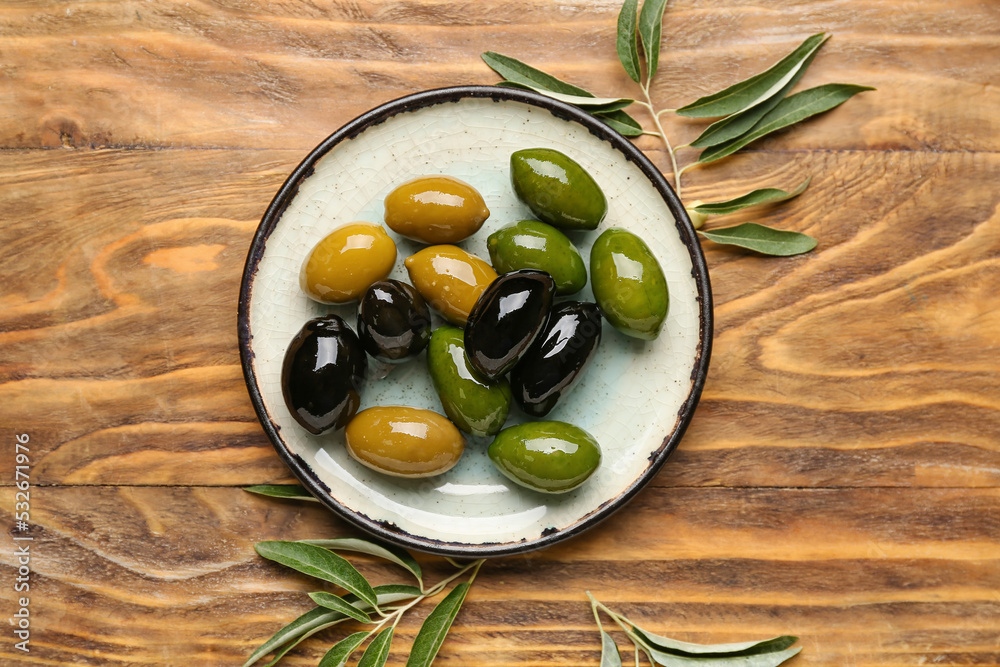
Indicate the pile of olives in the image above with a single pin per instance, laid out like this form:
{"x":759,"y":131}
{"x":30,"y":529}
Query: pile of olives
{"x":507,"y":339}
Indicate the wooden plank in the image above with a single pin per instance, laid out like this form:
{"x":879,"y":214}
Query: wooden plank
{"x":865,"y":576}
{"x":139,"y":382}
{"x":280,"y":75}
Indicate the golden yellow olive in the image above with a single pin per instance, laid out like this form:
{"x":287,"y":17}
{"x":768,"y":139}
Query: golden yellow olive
{"x":404,"y":442}
{"x":450,"y":279}
{"x":342,"y":266}
{"x":435,"y":209}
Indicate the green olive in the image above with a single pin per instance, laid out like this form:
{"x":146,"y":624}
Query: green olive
{"x":435,"y":209}
{"x":476,"y":406}
{"x":530,"y":244}
{"x":342,"y":266}
{"x":403,"y":441}
{"x":557,"y":189}
{"x":450,"y":279}
{"x":548,"y":456}
{"x":629,"y":284}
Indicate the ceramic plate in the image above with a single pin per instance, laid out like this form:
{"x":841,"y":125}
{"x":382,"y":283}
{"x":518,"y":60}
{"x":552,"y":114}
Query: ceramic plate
{"x":636,"y":398}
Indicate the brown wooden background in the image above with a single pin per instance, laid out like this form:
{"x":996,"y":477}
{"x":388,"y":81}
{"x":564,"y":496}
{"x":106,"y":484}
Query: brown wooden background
{"x":841,"y":477}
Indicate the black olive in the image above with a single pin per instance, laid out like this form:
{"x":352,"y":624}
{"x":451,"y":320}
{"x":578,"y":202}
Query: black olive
{"x":556,"y":361}
{"x":394,"y":322}
{"x":506,"y":319}
{"x":322,"y":374}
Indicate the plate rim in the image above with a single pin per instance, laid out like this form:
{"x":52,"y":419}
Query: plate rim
{"x":414,"y":102}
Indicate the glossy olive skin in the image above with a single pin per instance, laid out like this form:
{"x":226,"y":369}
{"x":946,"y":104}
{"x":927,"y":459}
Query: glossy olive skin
{"x":322,"y":374}
{"x":403,"y":441}
{"x":394,"y":322}
{"x":475,"y":405}
{"x":530,"y":244}
{"x":435,"y":209}
{"x":547,"y":456}
{"x":557,"y":189}
{"x":345,"y":263}
{"x":450,"y":279}
{"x":507,"y":319}
{"x":629,"y":284}
{"x":554,"y":364}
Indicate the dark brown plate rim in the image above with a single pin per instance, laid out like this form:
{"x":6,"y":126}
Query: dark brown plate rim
{"x":387,"y":531}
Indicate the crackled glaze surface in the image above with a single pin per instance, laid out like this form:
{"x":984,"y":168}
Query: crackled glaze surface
{"x":630,"y":398}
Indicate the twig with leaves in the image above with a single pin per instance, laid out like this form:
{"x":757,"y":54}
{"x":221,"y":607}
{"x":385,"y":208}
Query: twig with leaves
{"x":744,"y":112}
{"x":379,"y":607}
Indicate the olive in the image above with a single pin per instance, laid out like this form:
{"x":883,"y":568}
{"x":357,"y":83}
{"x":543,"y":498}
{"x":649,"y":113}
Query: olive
{"x":556,"y":361}
{"x":629,"y":284}
{"x":557,"y":189}
{"x":530,"y":244}
{"x":343,"y":265}
{"x":394,"y":323}
{"x":403,"y":441}
{"x":322,"y":374}
{"x":450,"y":279}
{"x":435,"y":209}
{"x":506,"y":319}
{"x":548,"y":456}
{"x":475,"y":405}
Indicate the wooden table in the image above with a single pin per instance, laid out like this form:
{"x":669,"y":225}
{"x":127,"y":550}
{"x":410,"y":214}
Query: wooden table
{"x":840,"y":480}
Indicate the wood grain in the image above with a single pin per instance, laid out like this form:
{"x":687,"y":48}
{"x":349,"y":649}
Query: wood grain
{"x":840,"y":479}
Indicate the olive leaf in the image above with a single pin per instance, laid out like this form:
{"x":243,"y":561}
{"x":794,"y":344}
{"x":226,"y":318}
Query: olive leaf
{"x":772,"y":659}
{"x":435,"y":627}
{"x":621,"y":122}
{"x":308,"y":623}
{"x":337,"y":603}
{"x":762,"y":239}
{"x":388,"y":552}
{"x":378,"y":651}
{"x":741,"y":122}
{"x":754,"y":198}
{"x":627,"y":42}
{"x":604,"y":104}
{"x":341,"y":652}
{"x":289,"y":491}
{"x":320,"y":563}
{"x":650,"y":29}
{"x":732,"y":649}
{"x":514,"y":70}
{"x":756,"y":89}
{"x":793,"y":109}
{"x":610,"y":657}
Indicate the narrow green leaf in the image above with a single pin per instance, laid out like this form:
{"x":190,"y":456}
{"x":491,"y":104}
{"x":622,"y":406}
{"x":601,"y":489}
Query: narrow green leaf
{"x":764,"y":240}
{"x":757,"y":660}
{"x":341,"y":652}
{"x":304,"y":625}
{"x":599,"y":103}
{"x":337,"y":603}
{"x":289,"y":491}
{"x":620,"y":122}
{"x":320,"y":563}
{"x":435,"y":627}
{"x":378,"y":651}
{"x":389,"y":552}
{"x":791,"y":110}
{"x":755,"y":198}
{"x":610,"y":657}
{"x":514,"y":70}
{"x":650,"y":29}
{"x":390,"y":593}
{"x":732,"y":649}
{"x":757,"y":88}
{"x":742,"y":122}
{"x":627,"y":43}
